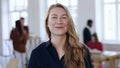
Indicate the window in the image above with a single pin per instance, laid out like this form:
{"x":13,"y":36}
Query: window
{"x":71,"y":5}
{"x":111,"y":26}
{"x":17,"y":9}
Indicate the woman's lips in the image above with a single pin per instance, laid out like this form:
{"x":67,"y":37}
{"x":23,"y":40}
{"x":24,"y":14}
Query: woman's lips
{"x":59,"y":27}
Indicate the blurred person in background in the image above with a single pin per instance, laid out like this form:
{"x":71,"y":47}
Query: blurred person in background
{"x":19,"y":37}
{"x":87,"y":31}
{"x":95,"y":44}
{"x":22,"y":20}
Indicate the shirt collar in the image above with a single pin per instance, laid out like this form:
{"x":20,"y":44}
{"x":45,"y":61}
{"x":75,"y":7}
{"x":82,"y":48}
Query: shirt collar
{"x":53,"y":51}
{"x":88,"y":27}
{"x":48,"y":43}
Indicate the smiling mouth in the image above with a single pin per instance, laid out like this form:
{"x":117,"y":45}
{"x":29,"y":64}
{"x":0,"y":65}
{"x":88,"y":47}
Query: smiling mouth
{"x":58,"y":27}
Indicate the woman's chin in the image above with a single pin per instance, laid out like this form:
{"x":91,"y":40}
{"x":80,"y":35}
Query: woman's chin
{"x":60,"y":34}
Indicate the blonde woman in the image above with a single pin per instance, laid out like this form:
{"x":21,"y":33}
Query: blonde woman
{"x":63,"y":50}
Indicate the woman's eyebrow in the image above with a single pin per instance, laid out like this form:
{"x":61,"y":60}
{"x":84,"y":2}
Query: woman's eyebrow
{"x":64,"y":15}
{"x":56,"y":15}
{"x":53,"y":15}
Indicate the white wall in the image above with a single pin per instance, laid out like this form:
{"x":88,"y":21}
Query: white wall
{"x":43,"y":10}
{"x":33,"y":17}
{"x":0,"y":27}
{"x":86,"y":11}
{"x":36,"y":18}
{"x":98,"y":18}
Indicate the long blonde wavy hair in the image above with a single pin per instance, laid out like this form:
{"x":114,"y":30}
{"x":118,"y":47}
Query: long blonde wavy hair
{"x":74,"y":51}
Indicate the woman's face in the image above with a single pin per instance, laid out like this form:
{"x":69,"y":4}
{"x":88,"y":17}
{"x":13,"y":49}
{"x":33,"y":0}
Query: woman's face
{"x":58,"y":21}
{"x":93,"y":39}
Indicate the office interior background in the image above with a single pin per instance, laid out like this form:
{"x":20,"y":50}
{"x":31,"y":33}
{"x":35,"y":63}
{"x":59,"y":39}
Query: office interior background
{"x":104,"y":13}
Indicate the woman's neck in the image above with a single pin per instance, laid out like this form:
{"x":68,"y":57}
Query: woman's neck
{"x":59,"y":42}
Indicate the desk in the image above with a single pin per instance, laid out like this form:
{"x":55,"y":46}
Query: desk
{"x":109,"y":56}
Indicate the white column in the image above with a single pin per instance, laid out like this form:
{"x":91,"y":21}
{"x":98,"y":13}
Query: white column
{"x":4,"y":29}
{"x":33,"y":17}
{"x":98,"y":18}
{"x":43,"y":11}
{"x":1,"y":28}
{"x":36,"y":17}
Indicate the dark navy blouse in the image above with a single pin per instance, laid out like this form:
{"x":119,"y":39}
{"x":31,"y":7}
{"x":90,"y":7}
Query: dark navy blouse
{"x":45,"y":56}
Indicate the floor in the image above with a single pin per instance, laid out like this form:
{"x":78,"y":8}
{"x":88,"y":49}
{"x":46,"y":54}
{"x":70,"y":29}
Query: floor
{"x":4,"y":61}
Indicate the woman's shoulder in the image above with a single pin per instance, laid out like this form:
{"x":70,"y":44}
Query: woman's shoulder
{"x":87,"y":57}
{"x":14,"y":30}
{"x":84,"y":46}
{"x":100,"y":43}
{"x":41,"y":47}
{"x":86,"y":49}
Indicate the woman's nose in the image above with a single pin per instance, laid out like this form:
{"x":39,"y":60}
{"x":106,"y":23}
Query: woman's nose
{"x":59,"y":20}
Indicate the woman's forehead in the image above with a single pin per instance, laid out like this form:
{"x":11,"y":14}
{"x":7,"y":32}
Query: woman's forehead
{"x":57,"y":10}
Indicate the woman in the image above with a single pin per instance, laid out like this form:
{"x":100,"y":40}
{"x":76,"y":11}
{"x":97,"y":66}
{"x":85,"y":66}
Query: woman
{"x":19,"y":38}
{"x":94,"y":44}
{"x":63,"y":50}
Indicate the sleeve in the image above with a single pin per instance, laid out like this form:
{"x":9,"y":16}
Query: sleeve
{"x":14,"y":35}
{"x":88,"y":61}
{"x":27,"y":29}
{"x":25,"y":37}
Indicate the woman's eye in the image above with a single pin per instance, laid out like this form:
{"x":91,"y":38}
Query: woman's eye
{"x":64,"y":17}
{"x":54,"y":17}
